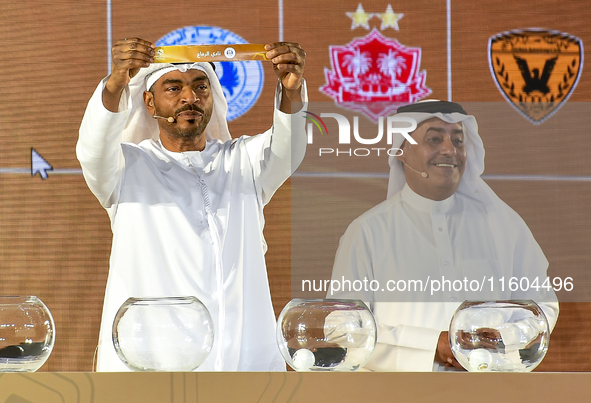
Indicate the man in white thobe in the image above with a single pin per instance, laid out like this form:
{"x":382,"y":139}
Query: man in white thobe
{"x":185,"y":200}
{"x":441,"y":221}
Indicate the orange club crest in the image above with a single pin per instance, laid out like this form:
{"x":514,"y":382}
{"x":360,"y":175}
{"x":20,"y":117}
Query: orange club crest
{"x":536,"y":70}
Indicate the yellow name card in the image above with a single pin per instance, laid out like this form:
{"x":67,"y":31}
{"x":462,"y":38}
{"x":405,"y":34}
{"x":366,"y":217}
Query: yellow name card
{"x":210,"y":53}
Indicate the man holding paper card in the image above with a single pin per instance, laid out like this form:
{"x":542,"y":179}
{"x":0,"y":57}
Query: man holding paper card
{"x":185,"y":199}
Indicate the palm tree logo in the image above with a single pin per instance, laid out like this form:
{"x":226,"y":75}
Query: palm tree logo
{"x":375,"y":75}
{"x":357,"y":63}
{"x":391,"y":65}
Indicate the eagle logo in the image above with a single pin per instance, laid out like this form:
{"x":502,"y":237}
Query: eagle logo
{"x":533,"y":81}
{"x":536,"y":70}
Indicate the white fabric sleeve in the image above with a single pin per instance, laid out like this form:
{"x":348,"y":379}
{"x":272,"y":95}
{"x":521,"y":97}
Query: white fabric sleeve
{"x":99,"y":146}
{"x":398,"y":348}
{"x":404,"y":348}
{"x":530,"y":262}
{"x":276,"y":153}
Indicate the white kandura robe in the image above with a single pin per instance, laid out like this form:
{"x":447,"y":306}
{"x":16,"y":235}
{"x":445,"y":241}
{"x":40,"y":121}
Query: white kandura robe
{"x":191,"y":224}
{"x":408,"y":237}
{"x":473,"y":233}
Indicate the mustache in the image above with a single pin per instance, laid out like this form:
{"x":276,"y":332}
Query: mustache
{"x":188,"y":107}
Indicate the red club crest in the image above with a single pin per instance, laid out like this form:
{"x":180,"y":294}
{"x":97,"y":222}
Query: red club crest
{"x":375,"y":75}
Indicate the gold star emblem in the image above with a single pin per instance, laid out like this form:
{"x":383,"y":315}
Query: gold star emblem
{"x":360,"y":18}
{"x":390,"y":19}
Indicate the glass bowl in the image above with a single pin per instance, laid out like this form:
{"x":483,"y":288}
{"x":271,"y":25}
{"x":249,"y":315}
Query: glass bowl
{"x":326,"y":335}
{"x":27,"y":334}
{"x":163,"y":334}
{"x":499,"y":336}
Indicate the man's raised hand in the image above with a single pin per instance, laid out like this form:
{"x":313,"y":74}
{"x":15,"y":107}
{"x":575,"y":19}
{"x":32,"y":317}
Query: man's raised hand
{"x":288,"y":60}
{"x":129,"y":55}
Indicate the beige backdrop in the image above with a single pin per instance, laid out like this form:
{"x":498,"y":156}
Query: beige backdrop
{"x":55,"y":237}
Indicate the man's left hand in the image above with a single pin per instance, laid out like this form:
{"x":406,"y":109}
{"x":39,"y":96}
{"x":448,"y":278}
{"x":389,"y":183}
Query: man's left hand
{"x":288,"y":60}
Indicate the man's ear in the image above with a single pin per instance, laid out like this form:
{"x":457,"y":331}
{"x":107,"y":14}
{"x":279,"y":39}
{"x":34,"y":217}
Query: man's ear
{"x":404,"y":147}
{"x":149,"y":102}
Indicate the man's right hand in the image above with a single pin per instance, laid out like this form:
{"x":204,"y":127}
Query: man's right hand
{"x":129,"y":55}
{"x":443,"y":354}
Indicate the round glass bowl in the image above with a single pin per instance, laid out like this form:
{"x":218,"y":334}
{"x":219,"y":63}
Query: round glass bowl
{"x":27,"y":334}
{"x":503,"y":336}
{"x":326,"y":335}
{"x":163,"y":334}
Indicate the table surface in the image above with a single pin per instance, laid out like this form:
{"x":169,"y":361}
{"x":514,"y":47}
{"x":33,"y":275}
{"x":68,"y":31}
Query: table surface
{"x":162,"y":387}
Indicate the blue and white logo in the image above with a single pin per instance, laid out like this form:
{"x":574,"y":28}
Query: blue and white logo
{"x":242,"y":82}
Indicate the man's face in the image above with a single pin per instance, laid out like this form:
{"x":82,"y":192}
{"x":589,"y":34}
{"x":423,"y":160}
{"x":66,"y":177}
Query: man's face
{"x":187,"y":97}
{"x":440,"y":153}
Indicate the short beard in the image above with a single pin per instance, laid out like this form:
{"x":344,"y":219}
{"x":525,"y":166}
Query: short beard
{"x":187,"y":133}
{"x":190,"y":132}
